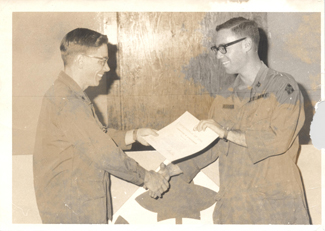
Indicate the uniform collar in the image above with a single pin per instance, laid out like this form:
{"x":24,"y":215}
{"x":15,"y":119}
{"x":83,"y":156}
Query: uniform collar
{"x":74,"y":87}
{"x":260,"y":80}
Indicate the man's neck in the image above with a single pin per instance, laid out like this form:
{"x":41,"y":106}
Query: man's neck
{"x":249,"y":73}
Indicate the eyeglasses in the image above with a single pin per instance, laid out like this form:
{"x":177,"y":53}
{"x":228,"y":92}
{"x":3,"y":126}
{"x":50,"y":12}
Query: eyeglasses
{"x":222,"y":48}
{"x":101,"y":60}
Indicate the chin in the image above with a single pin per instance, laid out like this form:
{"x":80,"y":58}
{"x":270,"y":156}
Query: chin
{"x":96,"y":82}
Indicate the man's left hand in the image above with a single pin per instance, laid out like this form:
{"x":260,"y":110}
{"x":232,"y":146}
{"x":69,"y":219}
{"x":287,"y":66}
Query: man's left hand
{"x":204,"y":124}
{"x":141,"y":132}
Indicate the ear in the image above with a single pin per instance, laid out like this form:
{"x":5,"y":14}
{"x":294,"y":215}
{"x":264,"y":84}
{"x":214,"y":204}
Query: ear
{"x":247,"y":44}
{"x":79,"y":61}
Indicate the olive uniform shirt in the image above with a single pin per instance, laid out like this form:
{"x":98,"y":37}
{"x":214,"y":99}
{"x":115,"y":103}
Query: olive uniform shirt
{"x":260,"y":183}
{"x":74,"y":155}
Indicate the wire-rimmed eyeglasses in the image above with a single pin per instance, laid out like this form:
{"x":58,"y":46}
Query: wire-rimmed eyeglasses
{"x":101,"y":60}
{"x":222,"y":47}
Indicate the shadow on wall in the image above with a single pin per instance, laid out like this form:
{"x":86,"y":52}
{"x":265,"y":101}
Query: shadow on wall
{"x":304,"y":137}
{"x":106,"y":82}
{"x":304,"y":185}
{"x":111,"y":76}
{"x":263,"y":46}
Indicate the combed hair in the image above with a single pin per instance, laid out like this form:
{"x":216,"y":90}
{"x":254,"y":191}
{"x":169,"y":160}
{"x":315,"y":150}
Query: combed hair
{"x":242,"y":27}
{"x":79,"y":41}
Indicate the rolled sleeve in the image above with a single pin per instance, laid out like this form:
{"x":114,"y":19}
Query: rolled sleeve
{"x":119,"y":138}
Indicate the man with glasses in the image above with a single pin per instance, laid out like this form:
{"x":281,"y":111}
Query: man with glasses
{"x":74,"y":153}
{"x":258,"y":119}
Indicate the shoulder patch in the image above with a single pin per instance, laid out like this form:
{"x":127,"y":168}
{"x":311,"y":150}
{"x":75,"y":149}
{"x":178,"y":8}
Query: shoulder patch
{"x":289,"y":89}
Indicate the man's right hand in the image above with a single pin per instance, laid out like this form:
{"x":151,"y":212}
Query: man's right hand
{"x":156,"y":183}
{"x":169,"y":170}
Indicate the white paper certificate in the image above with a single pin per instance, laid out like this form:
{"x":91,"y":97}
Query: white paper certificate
{"x":178,"y":140}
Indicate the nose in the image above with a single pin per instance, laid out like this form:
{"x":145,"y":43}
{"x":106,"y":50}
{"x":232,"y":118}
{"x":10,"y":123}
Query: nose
{"x":106,"y":67}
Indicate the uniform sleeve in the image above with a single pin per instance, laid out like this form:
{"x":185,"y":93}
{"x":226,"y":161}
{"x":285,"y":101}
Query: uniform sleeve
{"x":284,"y":124}
{"x":119,"y":138}
{"x":79,"y":126}
{"x":191,"y":167}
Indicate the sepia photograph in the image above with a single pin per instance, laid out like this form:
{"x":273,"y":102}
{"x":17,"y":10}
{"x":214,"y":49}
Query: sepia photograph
{"x":166,"y":118}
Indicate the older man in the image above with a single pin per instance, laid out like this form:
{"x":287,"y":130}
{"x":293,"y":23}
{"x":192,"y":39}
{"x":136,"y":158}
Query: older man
{"x":74,"y":153}
{"x":258,"y":119}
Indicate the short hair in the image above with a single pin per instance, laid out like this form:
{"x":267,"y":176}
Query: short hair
{"x":79,"y":41}
{"x":242,"y":27}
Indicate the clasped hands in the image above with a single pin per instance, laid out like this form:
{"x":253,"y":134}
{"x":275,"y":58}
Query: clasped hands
{"x":157,"y":182}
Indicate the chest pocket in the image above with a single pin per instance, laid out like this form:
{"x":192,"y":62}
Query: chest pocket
{"x":226,"y":115}
{"x":258,"y":112}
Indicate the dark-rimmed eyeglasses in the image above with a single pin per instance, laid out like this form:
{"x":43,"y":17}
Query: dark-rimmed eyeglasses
{"x":222,"y":47}
{"x":101,"y":60}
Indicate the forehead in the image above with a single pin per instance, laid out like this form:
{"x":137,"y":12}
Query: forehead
{"x":100,"y":51}
{"x":225,"y":36}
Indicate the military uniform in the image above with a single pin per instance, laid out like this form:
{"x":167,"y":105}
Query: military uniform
{"x":74,"y":155}
{"x":260,"y":183}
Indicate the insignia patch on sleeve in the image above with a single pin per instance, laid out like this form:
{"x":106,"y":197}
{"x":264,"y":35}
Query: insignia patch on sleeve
{"x":289,"y":89}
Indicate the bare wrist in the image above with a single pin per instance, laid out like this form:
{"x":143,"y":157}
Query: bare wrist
{"x":225,"y":134}
{"x":146,"y":179}
{"x":135,"y":134}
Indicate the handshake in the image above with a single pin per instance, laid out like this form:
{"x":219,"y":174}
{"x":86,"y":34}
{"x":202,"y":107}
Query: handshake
{"x":157,"y":182}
